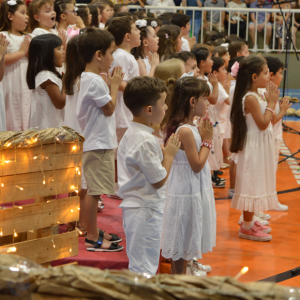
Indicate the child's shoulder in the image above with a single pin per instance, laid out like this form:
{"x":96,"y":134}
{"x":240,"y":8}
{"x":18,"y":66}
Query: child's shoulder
{"x":92,"y":82}
{"x":46,"y":75}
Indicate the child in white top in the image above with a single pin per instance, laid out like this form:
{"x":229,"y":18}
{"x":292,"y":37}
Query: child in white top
{"x":48,"y":98}
{"x":95,"y":112}
{"x":17,"y":96}
{"x":189,"y":227}
{"x":106,"y":12}
{"x":252,"y":137}
{"x":143,"y":169}
{"x":149,"y":43}
{"x":65,"y":14}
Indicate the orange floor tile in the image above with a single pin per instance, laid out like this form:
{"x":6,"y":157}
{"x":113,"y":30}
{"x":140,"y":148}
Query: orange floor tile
{"x":264,"y":259}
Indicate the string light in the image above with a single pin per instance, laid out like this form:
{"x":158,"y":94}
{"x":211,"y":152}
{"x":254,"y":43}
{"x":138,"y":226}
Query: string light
{"x":72,"y":187}
{"x":70,"y":249}
{"x":74,"y":148}
{"x":15,"y":234}
{"x":35,"y":157}
{"x":1,"y":232}
{"x":44,"y":182}
{"x":2,"y":184}
{"x":78,"y":208}
{"x":8,"y":144}
{"x":7,"y":161}
{"x":19,"y":187}
{"x":242,"y":272}
{"x":53,"y":243}
{"x":48,"y":201}
{"x":47,"y":157}
{"x":20,"y":207}
{"x":72,"y":210}
{"x":77,"y":170}
{"x":11,"y":249}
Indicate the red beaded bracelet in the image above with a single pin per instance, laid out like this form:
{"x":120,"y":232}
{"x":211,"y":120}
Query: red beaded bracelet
{"x":207,"y":144}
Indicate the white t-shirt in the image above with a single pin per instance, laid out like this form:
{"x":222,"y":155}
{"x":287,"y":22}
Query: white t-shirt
{"x":277,"y":128}
{"x":2,"y":110}
{"x":139,"y":166}
{"x":221,"y":108}
{"x":101,"y":25}
{"x":231,"y":93}
{"x":131,"y":69}
{"x":147,"y":64}
{"x":99,"y":130}
{"x":38,"y":31}
{"x":162,"y":3}
{"x":185,"y":45}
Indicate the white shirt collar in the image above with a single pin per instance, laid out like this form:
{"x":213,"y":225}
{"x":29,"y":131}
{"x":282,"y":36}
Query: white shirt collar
{"x":143,"y":127}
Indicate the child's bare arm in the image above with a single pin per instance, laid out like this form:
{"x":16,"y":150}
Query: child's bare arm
{"x":57,"y":97}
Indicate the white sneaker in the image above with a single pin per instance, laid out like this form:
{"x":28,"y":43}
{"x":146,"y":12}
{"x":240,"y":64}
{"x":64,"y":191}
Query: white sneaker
{"x":263,"y":216}
{"x":267,"y":49}
{"x":231,"y":193}
{"x":254,"y":49}
{"x":194,"y":263}
{"x":193,"y":271}
{"x":260,"y":220}
{"x":281,"y":207}
{"x":225,"y":166}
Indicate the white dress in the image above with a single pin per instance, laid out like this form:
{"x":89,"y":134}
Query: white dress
{"x":38,"y":31}
{"x":189,"y":225}
{"x":17,"y":95}
{"x":255,"y":188}
{"x":43,"y":113}
{"x":2,"y":110}
{"x":147,"y":64}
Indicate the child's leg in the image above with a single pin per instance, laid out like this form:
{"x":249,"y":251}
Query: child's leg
{"x":90,"y":210}
{"x":232,"y":175}
{"x":179,"y":266}
{"x":226,"y":151}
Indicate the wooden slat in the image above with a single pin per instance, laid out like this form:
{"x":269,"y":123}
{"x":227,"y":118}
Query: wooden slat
{"x":48,"y":157}
{"x":42,"y":250}
{"x":57,"y":182}
{"x":39,"y":215}
{"x":36,"y":296}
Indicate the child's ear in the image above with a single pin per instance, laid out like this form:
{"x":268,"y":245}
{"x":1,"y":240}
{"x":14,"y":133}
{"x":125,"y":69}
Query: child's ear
{"x":254,"y":77}
{"x":215,"y":73}
{"x":192,"y":102}
{"x":272,"y":74}
{"x":149,"y":110}
{"x":63,"y":16}
{"x":37,"y":17}
{"x":127,"y":37}
{"x":98,"y":55}
{"x":238,"y":54}
{"x":9,"y":16}
{"x":145,"y":42}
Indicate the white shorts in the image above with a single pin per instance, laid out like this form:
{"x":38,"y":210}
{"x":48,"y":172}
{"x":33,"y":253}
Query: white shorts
{"x":143,"y":228}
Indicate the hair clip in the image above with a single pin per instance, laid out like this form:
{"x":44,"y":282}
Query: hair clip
{"x":76,"y":8}
{"x":153,"y":24}
{"x":12,"y":2}
{"x":235,"y":69}
{"x":225,"y":45}
{"x":167,"y":36}
{"x":141,"y":23}
{"x":189,"y":74}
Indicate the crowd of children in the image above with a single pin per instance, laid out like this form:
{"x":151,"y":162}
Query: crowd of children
{"x":161,"y":115}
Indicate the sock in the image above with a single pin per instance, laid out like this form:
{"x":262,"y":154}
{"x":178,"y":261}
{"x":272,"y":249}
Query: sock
{"x":248,"y":225}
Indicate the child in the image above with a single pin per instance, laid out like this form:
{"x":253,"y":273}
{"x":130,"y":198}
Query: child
{"x":95,"y":113}
{"x":223,"y":53}
{"x":154,"y":23}
{"x":96,"y":15}
{"x":17,"y":97}
{"x":238,"y":48}
{"x":120,"y":7}
{"x":41,"y":17}
{"x":215,"y":158}
{"x":84,"y":13}
{"x":65,"y":14}
{"x":106,"y":11}
{"x":149,"y":43}
{"x":190,"y":62}
{"x":169,"y":41}
{"x":253,"y":139}
{"x":48,"y":98}
{"x":183,"y":21}
{"x":275,"y":69}
{"x":143,"y":169}
{"x":189,"y":226}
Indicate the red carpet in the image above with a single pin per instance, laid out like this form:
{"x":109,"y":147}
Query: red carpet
{"x":110,"y":220}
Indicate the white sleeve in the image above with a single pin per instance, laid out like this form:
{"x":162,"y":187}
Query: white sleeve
{"x":222,"y":95}
{"x":43,"y":76}
{"x":185,"y":45}
{"x":99,"y":93}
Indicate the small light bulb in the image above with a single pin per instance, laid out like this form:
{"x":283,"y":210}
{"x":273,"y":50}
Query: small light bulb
{"x":35,"y":157}
{"x":76,"y":191}
{"x":47,"y":157}
{"x":72,"y":210}
{"x":48,"y":201}
{"x":19,"y":187}
{"x":1,"y":232}
{"x":8,"y":144}
{"x":70,"y":249}
{"x":72,"y":187}
{"x":11,"y":249}
{"x":2,"y":184}
{"x":7,"y":161}
{"x":20,"y":207}
{"x":53,"y":243}
{"x":15,"y":234}
{"x":74,"y":148}
{"x":78,"y":208}
{"x":44,"y":182}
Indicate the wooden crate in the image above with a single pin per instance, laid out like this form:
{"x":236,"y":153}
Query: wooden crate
{"x":40,"y":173}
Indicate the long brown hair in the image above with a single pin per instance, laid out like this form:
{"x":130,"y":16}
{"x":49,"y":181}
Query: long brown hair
{"x":179,"y":108}
{"x":248,"y":66}
{"x":34,"y":8}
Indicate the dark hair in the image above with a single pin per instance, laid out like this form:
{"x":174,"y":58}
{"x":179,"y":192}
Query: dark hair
{"x":231,"y":38}
{"x":119,"y":27}
{"x":95,"y":14}
{"x":248,"y":66}
{"x":137,"y":52}
{"x":140,"y":14}
{"x":82,"y":12}
{"x":158,"y":22}
{"x":41,"y":57}
{"x":217,"y":36}
{"x":180,"y":20}
{"x":200,"y":54}
{"x":118,"y":7}
{"x":5,"y":24}
{"x":167,"y":46}
{"x":220,"y":50}
{"x":219,"y":42}
{"x":183,"y":90}
{"x":73,"y":70}
{"x":103,"y":2}
{"x":165,"y":18}
{"x":60,"y":7}
{"x":218,"y":63}
{"x":235,"y":47}
{"x":33,"y":9}
{"x":93,"y":40}
{"x":274,"y":64}
{"x":232,"y":61}
{"x":184,"y":55}
{"x":141,"y":92}
{"x":122,"y":14}
{"x":208,"y":36}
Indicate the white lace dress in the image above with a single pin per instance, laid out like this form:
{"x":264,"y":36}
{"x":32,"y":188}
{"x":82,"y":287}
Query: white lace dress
{"x":17,"y":95}
{"x":147,"y":64}
{"x":189,"y":225}
{"x":255,"y":188}
{"x":43,"y":113}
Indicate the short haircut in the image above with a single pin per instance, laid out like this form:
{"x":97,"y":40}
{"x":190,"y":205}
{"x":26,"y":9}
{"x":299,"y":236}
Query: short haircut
{"x":274,"y":64}
{"x":200,"y":54}
{"x":140,"y":14}
{"x":219,"y":42}
{"x":103,"y":2}
{"x":232,"y":61}
{"x":141,"y":92}
{"x":220,"y":50}
{"x":180,"y":20}
{"x":184,"y":55}
{"x":119,"y":27}
{"x":218,"y":35}
{"x":91,"y":41}
{"x":235,"y":47}
{"x":165,"y":18}
{"x":118,"y":7}
{"x":218,"y":63}
{"x":231,"y":38}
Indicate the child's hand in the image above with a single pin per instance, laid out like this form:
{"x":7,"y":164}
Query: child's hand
{"x":172,"y":146}
{"x":3,"y":45}
{"x":272,"y":94}
{"x":154,"y":60}
{"x":205,"y":128}
{"x":116,"y":76}
{"x":25,"y":45}
{"x":212,"y":79}
{"x":285,"y":104}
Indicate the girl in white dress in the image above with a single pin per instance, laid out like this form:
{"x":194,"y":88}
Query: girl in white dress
{"x":253,"y":139}
{"x":17,"y":97}
{"x":149,"y":43}
{"x":189,"y":225}
{"x":48,"y":98}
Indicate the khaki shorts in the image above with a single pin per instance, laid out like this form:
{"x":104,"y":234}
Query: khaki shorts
{"x":99,"y":172}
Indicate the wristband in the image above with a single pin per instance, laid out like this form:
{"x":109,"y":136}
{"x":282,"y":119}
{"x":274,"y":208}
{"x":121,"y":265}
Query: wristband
{"x":272,"y":111}
{"x":206,"y":144}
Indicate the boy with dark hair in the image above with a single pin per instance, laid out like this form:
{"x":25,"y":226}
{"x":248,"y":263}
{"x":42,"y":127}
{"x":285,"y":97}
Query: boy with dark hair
{"x":143,"y":169}
{"x":120,"y":7}
{"x":190,"y":62}
{"x":238,"y":48}
{"x":95,"y":113}
{"x":183,"y":21}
